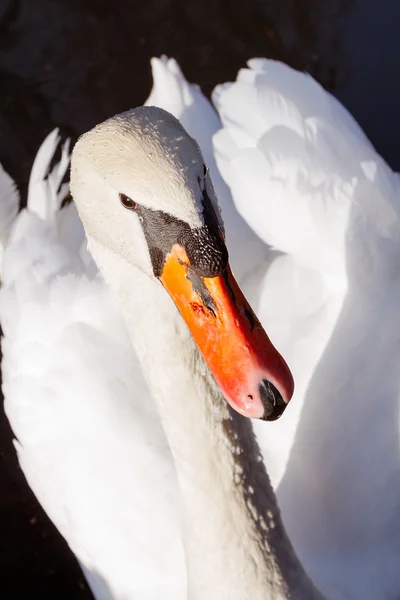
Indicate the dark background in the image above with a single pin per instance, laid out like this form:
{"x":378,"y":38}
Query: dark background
{"x":73,"y":63}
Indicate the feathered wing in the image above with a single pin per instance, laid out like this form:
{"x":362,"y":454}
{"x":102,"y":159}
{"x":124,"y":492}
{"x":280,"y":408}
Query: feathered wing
{"x":272,"y":164}
{"x":294,"y":159}
{"x":320,"y":194}
{"x":298,"y":165}
{"x":89,"y":440}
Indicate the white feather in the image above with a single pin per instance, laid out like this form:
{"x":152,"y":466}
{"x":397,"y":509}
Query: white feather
{"x":88,"y":438}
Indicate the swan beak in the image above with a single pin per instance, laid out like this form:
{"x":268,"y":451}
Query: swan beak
{"x":250,"y":372}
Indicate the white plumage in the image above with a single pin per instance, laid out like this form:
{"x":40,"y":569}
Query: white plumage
{"x":308,"y":182}
{"x":77,"y":403}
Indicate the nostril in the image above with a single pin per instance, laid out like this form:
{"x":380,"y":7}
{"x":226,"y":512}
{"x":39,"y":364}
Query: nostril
{"x":273,"y":403}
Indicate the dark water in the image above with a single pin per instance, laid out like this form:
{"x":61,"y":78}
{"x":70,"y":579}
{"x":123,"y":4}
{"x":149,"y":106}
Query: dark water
{"x":72,"y":63}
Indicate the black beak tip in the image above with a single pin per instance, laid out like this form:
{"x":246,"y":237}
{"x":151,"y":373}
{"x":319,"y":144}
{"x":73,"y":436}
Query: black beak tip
{"x":274,"y":404}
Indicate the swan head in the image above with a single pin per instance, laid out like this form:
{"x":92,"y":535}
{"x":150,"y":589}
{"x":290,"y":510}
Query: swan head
{"x":142,"y":190}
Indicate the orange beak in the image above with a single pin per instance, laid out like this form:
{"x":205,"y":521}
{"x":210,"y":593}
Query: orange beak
{"x":251,"y":373}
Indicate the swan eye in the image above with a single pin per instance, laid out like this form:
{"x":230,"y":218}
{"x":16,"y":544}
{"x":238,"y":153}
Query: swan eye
{"x":128,"y":202}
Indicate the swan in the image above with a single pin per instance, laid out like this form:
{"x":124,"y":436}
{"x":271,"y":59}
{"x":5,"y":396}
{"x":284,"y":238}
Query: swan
{"x":61,"y":444}
{"x":335,"y":539}
{"x":227,"y":502}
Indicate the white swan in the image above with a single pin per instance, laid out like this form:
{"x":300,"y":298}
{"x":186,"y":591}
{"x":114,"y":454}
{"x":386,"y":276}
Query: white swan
{"x":227,"y":503}
{"x":334,"y":568}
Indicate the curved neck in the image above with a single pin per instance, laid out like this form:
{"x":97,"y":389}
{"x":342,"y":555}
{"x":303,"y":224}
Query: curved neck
{"x":235,"y":543}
